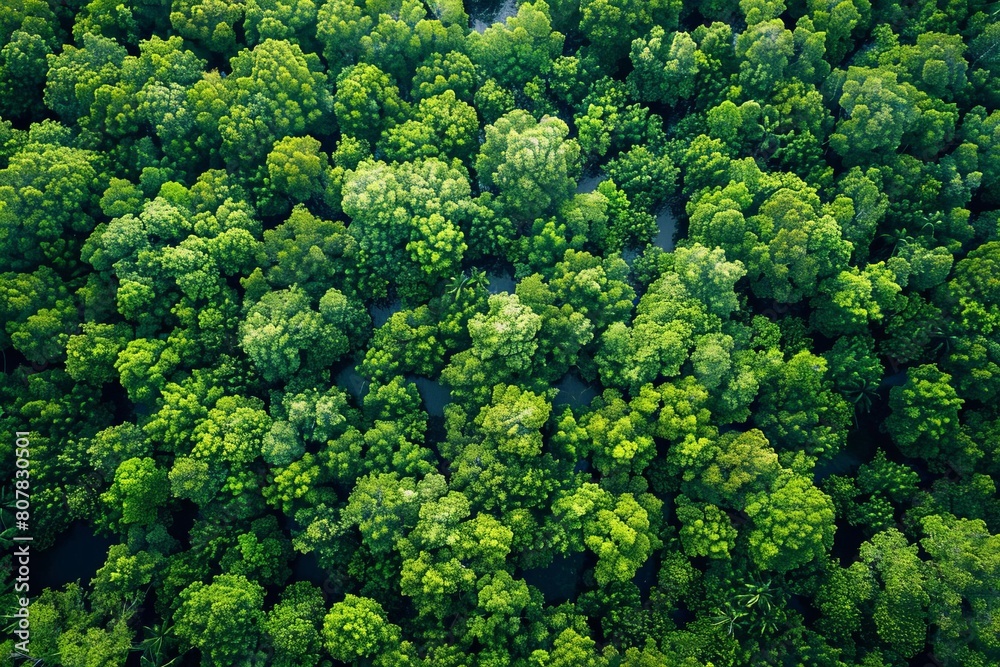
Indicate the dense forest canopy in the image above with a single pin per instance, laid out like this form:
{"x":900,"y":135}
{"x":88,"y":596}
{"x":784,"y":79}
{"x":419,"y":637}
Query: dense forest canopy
{"x":607,"y":333}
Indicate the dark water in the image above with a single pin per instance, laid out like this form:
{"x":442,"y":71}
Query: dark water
{"x":666,"y":224}
{"x":645,"y":578}
{"x":894,"y":380}
{"x":925,"y":659}
{"x":11,"y":359}
{"x":76,"y":556}
{"x":500,"y":282}
{"x":484,"y":13}
{"x":434,"y":395}
{"x":560,"y":581}
{"x":352,"y":382}
{"x":305,"y":567}
{"x":589,"y":183}
{"x":847,"y":542}
{"x":573,"y":392}
{"x":382,"y":312}
{"x":861,"y":446}
{"x":629,"y":255}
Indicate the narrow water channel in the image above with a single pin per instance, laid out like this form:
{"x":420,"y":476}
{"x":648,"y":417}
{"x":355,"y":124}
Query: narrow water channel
{"x":352,"y":382}
{"x":381,"y":313}
{"x":573,"y":392}
{"x":484,"y":13}
{"x":560,"y":581}
{"x":666,"y":225}
{"x":76,"y":556}
{"x":434,"y":395}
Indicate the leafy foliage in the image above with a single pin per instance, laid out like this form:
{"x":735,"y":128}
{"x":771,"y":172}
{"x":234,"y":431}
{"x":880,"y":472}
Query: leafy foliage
{"x":431,"y":333}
